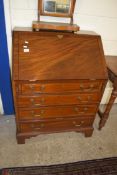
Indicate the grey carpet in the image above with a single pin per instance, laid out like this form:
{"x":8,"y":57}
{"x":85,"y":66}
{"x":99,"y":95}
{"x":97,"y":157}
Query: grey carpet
{"x":57,"y":148}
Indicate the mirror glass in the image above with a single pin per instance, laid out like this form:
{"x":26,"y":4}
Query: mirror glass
{"x":57,"y":6}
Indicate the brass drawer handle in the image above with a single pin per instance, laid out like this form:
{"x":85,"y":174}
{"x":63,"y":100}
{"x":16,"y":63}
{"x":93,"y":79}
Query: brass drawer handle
{"x":32,"y":87}
{"x":37,"y":104}
{"x":37,"y":129}
{"x":32,"y":112}
{"x":42,"y":87}
{"x":41,"y":126}
{"x":26,"y":42}
{"x":42,"y":100}
{"x":89,"y":98}
{"x":59,"y":118}
{"x":34,"y":115}
{"x":32,"y":100}
{"x":25,"y":46}
{"x":42,"y":112}
{"x":92,"y":86}
{"x":32,"y":126}
{"x":81,"y":87}
{"x":85,"y":109}
{"x":76,"y":109}
{"x":78,"y":125}
{"x":82,"y":112}
{"x":38,"y":115}
{"x":79,"y":98}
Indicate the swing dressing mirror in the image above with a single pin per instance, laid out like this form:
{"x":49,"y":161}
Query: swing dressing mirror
{"x":57,"y":8}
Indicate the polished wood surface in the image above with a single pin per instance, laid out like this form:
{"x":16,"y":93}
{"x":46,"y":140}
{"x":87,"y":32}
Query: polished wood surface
{"x":15,"y":65}
{"x":68,"y":99}
{"x":112,"y":71}
{"x":38,"y":87}
{"x":74,"y":123}
{"x":64,"y":50}
{"x":41,"y":25}
{"x":58,"y":81}
{"x":58,"y":112}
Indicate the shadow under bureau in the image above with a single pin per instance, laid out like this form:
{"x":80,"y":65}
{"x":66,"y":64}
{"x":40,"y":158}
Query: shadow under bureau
{"x":58,"y":81}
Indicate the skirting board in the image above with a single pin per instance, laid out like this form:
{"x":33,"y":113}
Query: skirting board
{"x":1,"y":107}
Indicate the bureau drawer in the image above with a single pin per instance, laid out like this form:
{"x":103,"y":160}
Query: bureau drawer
{"x":45,"y":100}
{"x":82,"y":86}
{"x":57,"y":113}
{"x":56,"y":126}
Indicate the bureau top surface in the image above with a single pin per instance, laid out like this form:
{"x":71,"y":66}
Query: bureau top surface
{"x":57,"y":56}
{"x":29,"y":29}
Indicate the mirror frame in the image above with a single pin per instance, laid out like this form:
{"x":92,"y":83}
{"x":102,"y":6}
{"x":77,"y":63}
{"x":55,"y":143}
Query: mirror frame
{"x":67,"y":15}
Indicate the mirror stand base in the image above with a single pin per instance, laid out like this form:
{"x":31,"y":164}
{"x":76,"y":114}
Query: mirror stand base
{"x":40,"y":25}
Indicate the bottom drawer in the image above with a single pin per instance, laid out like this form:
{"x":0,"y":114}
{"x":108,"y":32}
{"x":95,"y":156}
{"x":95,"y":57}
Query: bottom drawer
{"x":56,"y":126}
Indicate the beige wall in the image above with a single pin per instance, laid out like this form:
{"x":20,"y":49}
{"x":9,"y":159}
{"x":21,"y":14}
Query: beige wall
{"x":99,"y":16}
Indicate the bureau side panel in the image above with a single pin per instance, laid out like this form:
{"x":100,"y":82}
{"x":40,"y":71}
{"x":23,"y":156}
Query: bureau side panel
{"x":15,"y":61}
{"x":15,"y":71}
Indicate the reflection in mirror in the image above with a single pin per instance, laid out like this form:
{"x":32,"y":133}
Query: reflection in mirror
{"x":57,"y":6}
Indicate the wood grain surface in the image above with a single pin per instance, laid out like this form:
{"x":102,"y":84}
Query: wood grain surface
{"x":58,"y":81}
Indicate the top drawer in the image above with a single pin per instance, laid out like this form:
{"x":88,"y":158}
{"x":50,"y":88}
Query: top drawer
{"x":36,"y":88}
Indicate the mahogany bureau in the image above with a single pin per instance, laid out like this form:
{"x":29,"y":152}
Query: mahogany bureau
{"x":58,"y":81}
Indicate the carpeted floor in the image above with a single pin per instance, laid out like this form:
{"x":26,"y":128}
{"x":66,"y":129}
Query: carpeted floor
{"x":57,"y":148}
